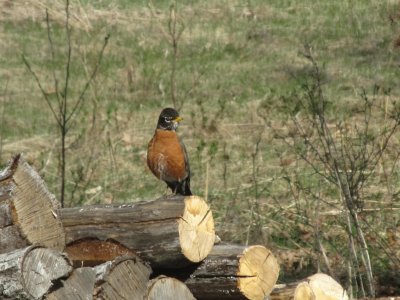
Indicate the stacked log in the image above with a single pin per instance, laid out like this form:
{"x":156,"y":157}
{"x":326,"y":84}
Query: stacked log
{"x":235,"y":272}
{"x":110,"y":251}
{"x":316,"y":287}
{"x":30,"y":272}
{"x":124,"y":278}
{"x":10,"y":235}
{"x":27,"y":210}
{"x":168,"y":288}
{"x":169,"y":232}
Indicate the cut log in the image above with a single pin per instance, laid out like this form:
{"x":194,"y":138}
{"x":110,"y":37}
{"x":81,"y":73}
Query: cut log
{"x":168,"y":288}
{"x":26,"y":204}
{"x":235,"y":272}
{"x":11,"y":239}
{"x":169,"y":232}
{"x":30,"y":272}
{"x":316,"y":287}
{"x":122,"y":279}
{"x":79,"y":285}
{"x":10,"y":235}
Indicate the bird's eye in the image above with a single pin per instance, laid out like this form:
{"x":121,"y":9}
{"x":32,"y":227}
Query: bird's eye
{"x":168,"y":119}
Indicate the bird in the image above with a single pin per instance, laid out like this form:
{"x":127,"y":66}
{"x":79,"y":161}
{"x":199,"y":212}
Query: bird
{"x":167,"y":157}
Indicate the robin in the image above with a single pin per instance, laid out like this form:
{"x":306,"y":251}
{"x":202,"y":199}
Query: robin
{"x":166,"y":154}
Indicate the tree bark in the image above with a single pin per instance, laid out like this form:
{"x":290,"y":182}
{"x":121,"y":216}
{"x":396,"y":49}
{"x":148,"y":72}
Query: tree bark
{"x":5,"y":213}
{"x":235,"y":272}
{"x":168,"y":288}
{"x":124,"y":278}
{"x":29,"y":273}
{"x":11,"y":239}
{"x":316,"y":287}
{"x":27,"y":209}
{"x":169,"y":232}
{"x":10,"y":235}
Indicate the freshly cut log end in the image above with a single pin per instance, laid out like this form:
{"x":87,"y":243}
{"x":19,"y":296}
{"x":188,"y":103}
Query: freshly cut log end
{"x":30,"y":272}
{"x":168,"y":288}
{"x":196,"y":229}
{"x":304,"y":292}
{"x":124,"y":279}
{"x":323,"y":287}
{"x":258,"y":272}
{"x":234,"y":272}
{"x":316,"y":287}
{"x":92,"y":252}
{"x":34,"y":207}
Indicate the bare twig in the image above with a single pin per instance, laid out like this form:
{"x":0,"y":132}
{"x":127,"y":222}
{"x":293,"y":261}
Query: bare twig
{"x":175,"y":30}
{"x":51,"y":45}
{"x":64,"y":114}
{"x":44,"y":93}
{"x":89,"y":81}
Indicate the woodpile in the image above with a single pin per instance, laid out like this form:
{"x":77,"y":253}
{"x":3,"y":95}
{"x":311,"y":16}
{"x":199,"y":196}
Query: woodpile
{"x":160,"y":249}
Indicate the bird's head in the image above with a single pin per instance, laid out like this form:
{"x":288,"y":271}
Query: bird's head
{"x":169,"y":119}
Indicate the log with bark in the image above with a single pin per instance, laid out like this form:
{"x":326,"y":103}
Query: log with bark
{"x":27,"y":209}
{"x":122,"y":279}
{"x":316,"y":287}
{"x":235,"y":272}
{"x":168,"y":288}
{"x":169,"y":232}
{"x":79,"y":285}
{"x":29,"y":273}
{"x":10,"y":234}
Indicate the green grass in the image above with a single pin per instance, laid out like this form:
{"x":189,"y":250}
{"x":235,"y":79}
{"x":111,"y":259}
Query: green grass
{"x":236,"y":59}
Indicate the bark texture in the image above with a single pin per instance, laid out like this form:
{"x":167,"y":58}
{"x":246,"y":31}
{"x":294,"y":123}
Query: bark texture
{"x":169,"y":232}
{"x":29,"y":273}
{"x":235,"y":272}
{"x":125,"y":278}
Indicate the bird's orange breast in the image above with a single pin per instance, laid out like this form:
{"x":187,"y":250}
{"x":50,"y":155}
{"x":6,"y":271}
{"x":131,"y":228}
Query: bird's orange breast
{"x":165,"y":156}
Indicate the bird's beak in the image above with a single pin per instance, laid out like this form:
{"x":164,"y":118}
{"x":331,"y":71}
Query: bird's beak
{"x":178,"y":119}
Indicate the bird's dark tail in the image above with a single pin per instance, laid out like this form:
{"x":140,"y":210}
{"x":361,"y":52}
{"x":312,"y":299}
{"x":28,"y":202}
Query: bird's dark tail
{"x":180,"y":188}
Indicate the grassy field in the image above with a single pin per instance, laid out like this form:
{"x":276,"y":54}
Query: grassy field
{"x":235,"y":63}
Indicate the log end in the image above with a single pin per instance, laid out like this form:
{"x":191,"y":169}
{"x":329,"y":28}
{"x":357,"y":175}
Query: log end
{"x":196,"y":229}
{"x":168,"y":288}
{"x":34,"y":207}
{"x":303,"y":291}
{"x":126,"y":278}
{"x":40,"y":268}
{"x":320,"y":286}
{"x":258,"y":272}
